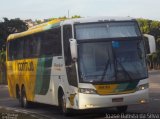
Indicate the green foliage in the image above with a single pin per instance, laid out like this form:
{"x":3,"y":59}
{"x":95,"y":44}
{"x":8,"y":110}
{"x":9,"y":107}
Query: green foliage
{"x":64,"y":17}
{"x":76,"y":16}
{"x":38,"y":21}
{"x":150,"y":27}
{"x":8,"y":27}
{"x":2,"y":58}
{"x":3,"y":67}
{"x":144,"y":25}
{"x":153,"y":28}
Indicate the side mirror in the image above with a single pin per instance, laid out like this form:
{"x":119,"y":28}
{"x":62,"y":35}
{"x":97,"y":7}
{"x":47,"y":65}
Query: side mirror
{"x":73,"y":48}
{"x":150,"y":43}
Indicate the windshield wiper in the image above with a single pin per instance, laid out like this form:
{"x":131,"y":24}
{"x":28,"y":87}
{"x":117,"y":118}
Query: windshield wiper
{"x":105,"y":70}
{"x":125,"y":71}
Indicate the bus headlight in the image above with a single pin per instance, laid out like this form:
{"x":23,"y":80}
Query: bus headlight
{"x":143,"y":86}
{"x":87,"y":91}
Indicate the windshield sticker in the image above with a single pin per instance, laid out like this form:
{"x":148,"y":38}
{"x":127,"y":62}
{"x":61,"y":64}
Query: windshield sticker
{"x":115,"y":44}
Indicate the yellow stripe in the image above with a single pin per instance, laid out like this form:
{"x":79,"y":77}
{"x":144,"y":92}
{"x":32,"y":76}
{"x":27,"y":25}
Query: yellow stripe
{"x":35,"y":29}
{"x":110,"y":89}
{"x":105,"y":89}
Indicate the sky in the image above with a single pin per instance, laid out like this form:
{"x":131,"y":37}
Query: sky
{"x":43,"y":9}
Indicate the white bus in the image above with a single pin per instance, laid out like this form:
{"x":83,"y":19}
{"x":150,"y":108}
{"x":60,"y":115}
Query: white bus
{"x":83,"y":63}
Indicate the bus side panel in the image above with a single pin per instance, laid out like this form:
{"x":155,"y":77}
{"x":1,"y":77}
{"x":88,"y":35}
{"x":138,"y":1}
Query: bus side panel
{"x":58,"y":79}
{"x":43,"y":75}
{"x":11,"y":78}
{"x":28,"y":77}
{"x":22,"y":73}
{"x":49,"y":77}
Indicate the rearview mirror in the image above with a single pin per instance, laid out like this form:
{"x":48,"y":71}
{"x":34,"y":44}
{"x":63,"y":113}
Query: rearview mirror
{"x":73,"y":48}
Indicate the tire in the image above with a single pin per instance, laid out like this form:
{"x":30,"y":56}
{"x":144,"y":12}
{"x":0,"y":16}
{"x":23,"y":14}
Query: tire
{"x":18,"y":94}
{"x":23,"y":100}
{"x":122,"y":109}
{"x":64,"y":110}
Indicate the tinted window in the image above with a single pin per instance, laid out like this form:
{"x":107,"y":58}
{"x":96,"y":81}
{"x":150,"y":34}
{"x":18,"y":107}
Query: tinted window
{"x":70,"y":66}
{"x":10,"y":50}
{"x":19,"y":48}
{"x":15,"y":49}
{"x":67,"y":34}
{"x":32,"y":46}
{"x":51,"y":44}
{"x":41,"y":44}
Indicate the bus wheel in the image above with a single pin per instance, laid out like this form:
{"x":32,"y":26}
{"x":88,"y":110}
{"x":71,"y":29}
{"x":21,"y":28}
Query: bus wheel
{"x":122,"y":109}
{"x":23,"y":101}
{"x":65,"y":111}
{"x":18,"y":93}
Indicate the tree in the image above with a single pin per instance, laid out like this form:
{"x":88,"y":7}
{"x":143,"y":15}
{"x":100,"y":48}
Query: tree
{"x":2,"y":67}
{"x":144,"y":25}
{"x":155,"y":29}
{"x":76,"y":16}
{"x":8,"y":27}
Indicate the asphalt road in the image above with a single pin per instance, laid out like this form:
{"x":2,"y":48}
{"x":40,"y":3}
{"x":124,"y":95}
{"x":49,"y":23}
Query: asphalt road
{"x":54,"y":113}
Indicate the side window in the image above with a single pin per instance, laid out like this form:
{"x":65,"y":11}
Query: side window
{"x":70,"y":66}
{"x":14,"y":50}
{"x":67,"y":34}
{"x":11,"y":50}
{"x":20,"y":45}
{"x":8,"y":51}
{"x":26,"y":47}
{"x":51,"y":43}
{"x":37,"y":47}
{"x":32,"y":46}
{"x":27,"y":52}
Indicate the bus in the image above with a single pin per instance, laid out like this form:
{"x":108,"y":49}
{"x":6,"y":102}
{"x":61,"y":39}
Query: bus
{"x":78,"y":64}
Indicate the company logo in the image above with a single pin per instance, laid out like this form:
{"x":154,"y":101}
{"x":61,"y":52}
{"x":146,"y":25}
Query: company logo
{"x":103,"y":87}
{"x":58,"y":66}
{"x":25,"y":66}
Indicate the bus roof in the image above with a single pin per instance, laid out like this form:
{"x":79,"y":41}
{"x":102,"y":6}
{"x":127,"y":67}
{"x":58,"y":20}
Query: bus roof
{"x":36,"y":29}
{"x":58,"y":22}
{"x":96,"y":19}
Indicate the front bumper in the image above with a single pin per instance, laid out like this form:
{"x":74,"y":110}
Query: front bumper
{"x":89,"y":101}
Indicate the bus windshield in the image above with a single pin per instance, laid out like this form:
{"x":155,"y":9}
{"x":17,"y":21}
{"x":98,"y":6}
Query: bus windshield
{"x":106,"y":30}
{"x":103,"y":62}
{"x":111,"y":60}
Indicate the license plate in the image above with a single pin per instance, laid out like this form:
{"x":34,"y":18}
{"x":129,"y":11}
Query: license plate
{"x":117,"y":100}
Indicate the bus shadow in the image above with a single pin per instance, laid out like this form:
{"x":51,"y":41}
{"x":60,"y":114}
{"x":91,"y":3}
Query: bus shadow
{"x":55,"y":112}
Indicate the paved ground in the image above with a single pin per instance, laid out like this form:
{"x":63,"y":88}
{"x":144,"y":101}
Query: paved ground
{"x":54,"y":112}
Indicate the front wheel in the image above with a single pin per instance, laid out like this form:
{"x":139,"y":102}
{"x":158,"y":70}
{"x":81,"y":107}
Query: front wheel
{"x":122,"y":109}
{"x":65,"y":110}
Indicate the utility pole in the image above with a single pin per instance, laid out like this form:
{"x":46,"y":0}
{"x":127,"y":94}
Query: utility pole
{"x":68,"y":13}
